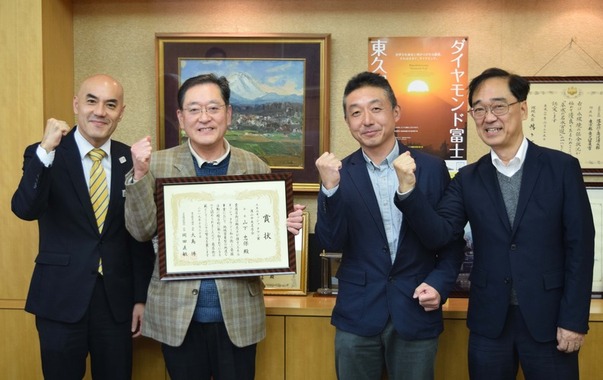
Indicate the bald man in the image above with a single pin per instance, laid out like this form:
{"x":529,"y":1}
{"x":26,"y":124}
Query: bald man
{"x":90,"y":279}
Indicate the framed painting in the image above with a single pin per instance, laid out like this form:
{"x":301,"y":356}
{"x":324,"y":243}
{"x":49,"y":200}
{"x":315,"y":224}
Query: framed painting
{"x":279,"y":94}
{"x":566,"y":113}
{"x":296,"y":283}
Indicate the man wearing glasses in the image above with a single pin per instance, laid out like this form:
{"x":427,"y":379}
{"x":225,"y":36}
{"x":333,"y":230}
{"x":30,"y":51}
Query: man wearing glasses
{"x":533,"y":237}
{"x":208,"y":328}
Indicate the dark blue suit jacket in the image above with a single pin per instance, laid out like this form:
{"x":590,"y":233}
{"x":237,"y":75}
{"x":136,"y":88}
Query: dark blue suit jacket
{"x":70,"y":245}
{"x":547,"y":254}
{"x":371,"y":289}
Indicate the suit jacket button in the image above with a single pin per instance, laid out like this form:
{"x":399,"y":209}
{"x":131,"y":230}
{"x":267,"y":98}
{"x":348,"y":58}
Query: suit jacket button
{"x":513,"y":247}
{"x":507,"y":280}
{"x":195,"y":292}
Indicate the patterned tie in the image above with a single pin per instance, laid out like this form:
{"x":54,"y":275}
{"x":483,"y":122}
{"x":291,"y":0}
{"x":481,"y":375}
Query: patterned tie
{"x":99,"y":193}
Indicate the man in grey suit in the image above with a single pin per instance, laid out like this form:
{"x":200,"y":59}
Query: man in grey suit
{"x":209,"y":328}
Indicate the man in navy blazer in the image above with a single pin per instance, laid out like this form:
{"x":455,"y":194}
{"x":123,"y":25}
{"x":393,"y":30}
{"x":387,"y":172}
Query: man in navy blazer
{"x":391,"y":286}
{"x":533,"y":238}
{"x":79,"y":310}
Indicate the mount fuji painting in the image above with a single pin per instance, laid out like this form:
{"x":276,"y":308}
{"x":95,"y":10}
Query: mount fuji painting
{"x":267,"y":98}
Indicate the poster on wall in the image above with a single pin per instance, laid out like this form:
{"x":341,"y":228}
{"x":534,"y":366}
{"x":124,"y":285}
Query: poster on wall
{"x":429,"y":77}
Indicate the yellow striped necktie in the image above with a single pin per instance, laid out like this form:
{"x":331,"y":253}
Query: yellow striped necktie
{"x":99,"y":193}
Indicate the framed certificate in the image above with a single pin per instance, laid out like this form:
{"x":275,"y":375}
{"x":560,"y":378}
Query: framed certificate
{"x":296,"y":283}
{"x":595,"y":195}
{"x":565,"y":114}
{"x":224,"y":226}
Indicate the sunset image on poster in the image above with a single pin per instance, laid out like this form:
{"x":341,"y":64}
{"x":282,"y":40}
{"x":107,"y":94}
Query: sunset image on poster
{"x":429,"y":77}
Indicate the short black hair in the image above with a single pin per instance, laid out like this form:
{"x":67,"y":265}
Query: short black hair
{"x":519,"y":86}
{"x":368,"y":79}
{"x":221,"y":82}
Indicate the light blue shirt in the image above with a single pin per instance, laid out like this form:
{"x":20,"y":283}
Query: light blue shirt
{"x":385,"y":184}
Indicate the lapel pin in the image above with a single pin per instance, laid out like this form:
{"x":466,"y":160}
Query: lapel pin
{"x":122,"y":160}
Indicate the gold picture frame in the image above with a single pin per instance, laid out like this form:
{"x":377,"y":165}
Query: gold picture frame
{"x":292,"y":284}
{"x":279,"y":94}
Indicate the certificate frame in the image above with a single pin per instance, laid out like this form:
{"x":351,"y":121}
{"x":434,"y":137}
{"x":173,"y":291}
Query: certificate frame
{"x":287,"y":126}
{"x":292,"y":284}
{"x":595,"y":196}
{"x":571,"y":126}
{"x":224,"y":226}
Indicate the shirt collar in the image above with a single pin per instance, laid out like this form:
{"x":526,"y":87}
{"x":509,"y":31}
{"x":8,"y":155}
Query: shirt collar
{"x":85,"y":147}
{"x":201,"y":161}
{"x":389,"y":160}
{"x":515,"y":163}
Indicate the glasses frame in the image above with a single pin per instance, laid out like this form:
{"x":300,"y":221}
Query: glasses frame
{"x":488,"y":109}
{"x":210,"y":109}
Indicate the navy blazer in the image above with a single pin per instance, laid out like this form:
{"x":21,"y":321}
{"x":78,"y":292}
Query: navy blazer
{"x":70,"y":245}
{"x":546,"y":255}
{"x":371,"y":288}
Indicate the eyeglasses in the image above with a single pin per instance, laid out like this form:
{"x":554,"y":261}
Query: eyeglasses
{"x":497,"y":109}
{"x":212,"y":109}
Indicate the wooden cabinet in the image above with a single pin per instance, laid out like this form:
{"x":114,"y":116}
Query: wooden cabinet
{"x":270,"y":359}
{"x":309,"y":348}
{"x":299,"y":343}
{"x":307,"y":336}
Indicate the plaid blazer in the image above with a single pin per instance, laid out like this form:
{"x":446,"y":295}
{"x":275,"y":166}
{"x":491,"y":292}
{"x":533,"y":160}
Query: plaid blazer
{"x":171,"y":304}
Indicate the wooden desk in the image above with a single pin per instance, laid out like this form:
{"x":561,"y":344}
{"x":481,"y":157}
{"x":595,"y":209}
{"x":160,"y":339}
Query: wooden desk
{"x":298,"y":345}
{"x":300,"y":338}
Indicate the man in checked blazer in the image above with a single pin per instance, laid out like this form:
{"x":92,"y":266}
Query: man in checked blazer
{"x":209,"y":328}
{"x":78,"y":310}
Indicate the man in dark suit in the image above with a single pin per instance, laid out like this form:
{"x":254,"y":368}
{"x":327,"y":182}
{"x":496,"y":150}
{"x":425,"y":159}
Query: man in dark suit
{"x":391,"y":287}
{"x":90,"y":279}
{"x":533,"y":239}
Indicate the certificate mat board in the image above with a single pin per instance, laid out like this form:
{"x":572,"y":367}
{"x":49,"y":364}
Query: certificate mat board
{"x":224,"y":226}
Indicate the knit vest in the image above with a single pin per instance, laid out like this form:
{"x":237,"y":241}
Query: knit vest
{"x":208,"y":302}
{"x":509,"y":187}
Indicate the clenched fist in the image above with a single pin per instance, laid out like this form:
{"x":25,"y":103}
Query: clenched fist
{"x":141,"y":157}
{"x":53,"y":133}
{"x":329,"y":166}
{"x":405,"y":167}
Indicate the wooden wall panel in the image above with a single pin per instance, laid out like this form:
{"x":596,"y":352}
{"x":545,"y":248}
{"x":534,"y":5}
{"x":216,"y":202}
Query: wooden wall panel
{"x":19,"y":348}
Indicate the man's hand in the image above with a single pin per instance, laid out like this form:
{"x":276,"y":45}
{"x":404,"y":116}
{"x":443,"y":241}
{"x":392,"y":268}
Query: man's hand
{"x":428,"y":297}
{"x":405,"y":167}
{"x":294,"y":220}
{"x":141,"y":157}
{"x":328,"y":166}
{"x":53,"y":133}
{"x":569,"y":341}
{"x":137,"y":314}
